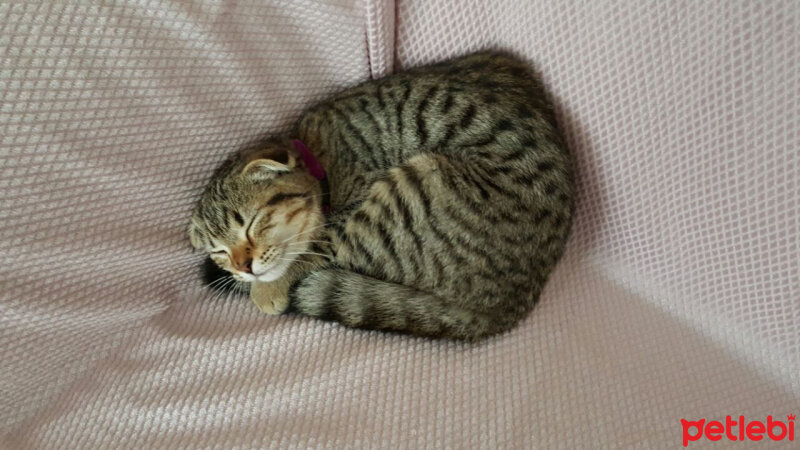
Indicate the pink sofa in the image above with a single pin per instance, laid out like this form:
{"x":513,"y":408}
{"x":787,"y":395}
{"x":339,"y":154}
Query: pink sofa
{"x":678,"y":298}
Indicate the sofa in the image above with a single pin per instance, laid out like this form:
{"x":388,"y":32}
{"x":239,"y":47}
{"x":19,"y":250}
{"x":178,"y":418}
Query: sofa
{"x":678,"y":297}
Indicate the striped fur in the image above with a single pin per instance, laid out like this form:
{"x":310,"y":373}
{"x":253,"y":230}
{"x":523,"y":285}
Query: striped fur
{"x":452,"y":196}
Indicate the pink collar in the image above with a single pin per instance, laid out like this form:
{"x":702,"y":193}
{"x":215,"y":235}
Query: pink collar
{"x":313,"y":166}
{"x":316,"y":171}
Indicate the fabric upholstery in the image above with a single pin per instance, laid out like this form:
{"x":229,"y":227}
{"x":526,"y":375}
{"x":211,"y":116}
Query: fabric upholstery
{"x":679,"y":295}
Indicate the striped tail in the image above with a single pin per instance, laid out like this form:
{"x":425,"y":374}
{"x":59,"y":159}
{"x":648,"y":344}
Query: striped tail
{"x":359,"y":301}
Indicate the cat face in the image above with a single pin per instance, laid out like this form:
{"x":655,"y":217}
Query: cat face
{"x":258,"y":215}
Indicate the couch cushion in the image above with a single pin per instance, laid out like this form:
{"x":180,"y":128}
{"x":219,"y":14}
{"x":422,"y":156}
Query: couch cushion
{"x":677,"y":297}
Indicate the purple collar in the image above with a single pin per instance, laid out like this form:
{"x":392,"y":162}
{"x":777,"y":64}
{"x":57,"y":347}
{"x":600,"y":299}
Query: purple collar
{"x":316,"y":171}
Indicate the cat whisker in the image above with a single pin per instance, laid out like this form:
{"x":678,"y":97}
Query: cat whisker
{"x":230,"y":283}
{"x":240,"y":289}
{"x":313,"y":240}
{"x":230,"y":286}
{"x":223,"y":295}
{"x":226,"y":286}
{"x":311,"y":253}
{"x":227,"y":296}
{"x":302,"y":233}
{"x":298,"y":261}
{"x":321,"y":244}
{"x":218,"y":287}
{"x":219,"y":281}
{"x":221,"y":290}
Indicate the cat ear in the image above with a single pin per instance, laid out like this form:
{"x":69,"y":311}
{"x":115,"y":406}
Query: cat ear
{"x":270,"y":164}
{"x":262,"y":169}
{"x":194,"y":235}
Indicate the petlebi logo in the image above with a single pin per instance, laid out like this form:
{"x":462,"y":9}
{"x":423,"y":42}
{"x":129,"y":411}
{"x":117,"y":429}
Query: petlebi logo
{"x":740,"y":429}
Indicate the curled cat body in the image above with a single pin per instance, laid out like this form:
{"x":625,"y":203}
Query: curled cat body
{"x":451,"y":199}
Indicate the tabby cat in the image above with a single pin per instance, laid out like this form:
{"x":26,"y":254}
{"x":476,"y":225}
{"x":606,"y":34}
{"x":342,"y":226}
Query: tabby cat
{"x":451,"y":199}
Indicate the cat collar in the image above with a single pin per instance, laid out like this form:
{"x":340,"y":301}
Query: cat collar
{"x":316,"y":171}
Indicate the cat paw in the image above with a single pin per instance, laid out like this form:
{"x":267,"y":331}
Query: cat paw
{"x":269,"y":298}
{"x":273,"y":307}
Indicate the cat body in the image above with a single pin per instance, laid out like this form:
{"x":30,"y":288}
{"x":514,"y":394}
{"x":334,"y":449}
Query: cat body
{"x":451,"y":201}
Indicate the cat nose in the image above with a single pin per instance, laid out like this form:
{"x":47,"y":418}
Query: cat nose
{"x":246,"y":266}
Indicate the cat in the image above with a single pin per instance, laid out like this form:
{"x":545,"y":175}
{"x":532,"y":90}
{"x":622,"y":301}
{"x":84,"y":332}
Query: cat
{"x":450,"y":193}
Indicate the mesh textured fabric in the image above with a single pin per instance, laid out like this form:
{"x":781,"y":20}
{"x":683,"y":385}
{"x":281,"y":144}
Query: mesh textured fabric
{"x":679,"y":295}
{"x":112,"y":119}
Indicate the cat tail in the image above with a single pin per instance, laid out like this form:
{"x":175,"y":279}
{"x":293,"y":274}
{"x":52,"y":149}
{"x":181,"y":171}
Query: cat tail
{"x":360,"y":301}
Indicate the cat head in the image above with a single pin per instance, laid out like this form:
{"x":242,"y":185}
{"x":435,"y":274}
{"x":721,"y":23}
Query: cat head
{"x":258,"y":213}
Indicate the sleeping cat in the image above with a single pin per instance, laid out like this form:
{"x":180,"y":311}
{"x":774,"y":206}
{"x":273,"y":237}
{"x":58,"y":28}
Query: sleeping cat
{"x":450,"y":194}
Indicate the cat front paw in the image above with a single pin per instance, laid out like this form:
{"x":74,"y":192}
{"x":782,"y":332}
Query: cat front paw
{"x":270,"y":298}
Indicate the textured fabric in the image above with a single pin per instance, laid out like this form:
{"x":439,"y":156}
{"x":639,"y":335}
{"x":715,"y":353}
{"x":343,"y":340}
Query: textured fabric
{"x":380,"y":37}
{"x":113,"y":118}
{"x":679,"y":295}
